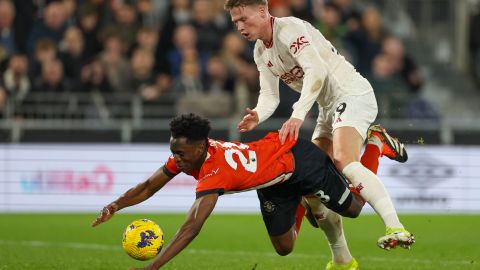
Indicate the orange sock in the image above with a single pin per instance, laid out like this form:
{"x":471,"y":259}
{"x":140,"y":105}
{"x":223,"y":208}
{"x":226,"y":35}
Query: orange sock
{"x":299,"y":218}
{"x":370,"y":157}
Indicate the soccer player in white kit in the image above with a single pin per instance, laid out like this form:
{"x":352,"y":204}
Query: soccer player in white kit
{"x":294,"y":51}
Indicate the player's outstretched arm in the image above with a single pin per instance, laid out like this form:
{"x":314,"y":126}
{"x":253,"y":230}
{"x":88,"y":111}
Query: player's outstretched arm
{"x":200,"y":211}
{"x":249,"y":121}
{"x":135,"y":195}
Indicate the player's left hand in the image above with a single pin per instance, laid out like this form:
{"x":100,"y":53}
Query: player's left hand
{"x":290,"y":129}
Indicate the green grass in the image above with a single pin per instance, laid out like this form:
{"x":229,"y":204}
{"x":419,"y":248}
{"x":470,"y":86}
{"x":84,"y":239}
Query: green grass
{"x":60,"y":241}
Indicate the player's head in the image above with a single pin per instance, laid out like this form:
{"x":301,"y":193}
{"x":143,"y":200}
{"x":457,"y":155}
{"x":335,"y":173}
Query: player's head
{"x":249,"y":17}
{"x":188,"y":142}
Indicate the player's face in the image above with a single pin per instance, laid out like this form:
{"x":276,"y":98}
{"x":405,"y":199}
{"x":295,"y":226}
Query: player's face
{"x":248,"y":20}
{"x":187,"y":156}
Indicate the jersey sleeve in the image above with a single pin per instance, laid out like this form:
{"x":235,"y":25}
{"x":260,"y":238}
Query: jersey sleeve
{"x":269,"y":96}
{"x":210,"y":184}
{"x":171,"y":168}
{"x":298,"y":40}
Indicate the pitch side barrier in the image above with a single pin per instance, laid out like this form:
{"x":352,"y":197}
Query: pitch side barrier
{"x":84,"y":177}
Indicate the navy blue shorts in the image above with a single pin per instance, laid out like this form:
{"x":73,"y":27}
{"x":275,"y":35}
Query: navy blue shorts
{"x":314,"y":174}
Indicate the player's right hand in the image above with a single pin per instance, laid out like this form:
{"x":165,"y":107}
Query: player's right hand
{"x":249,"y":121}
{"x":106,"y":214}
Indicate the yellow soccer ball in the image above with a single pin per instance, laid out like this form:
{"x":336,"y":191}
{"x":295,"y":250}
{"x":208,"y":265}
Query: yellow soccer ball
{"x":143,"y":239}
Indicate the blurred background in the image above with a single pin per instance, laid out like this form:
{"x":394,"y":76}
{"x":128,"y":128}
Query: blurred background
{"x":117,"y":70}
{"x":88,"y":87}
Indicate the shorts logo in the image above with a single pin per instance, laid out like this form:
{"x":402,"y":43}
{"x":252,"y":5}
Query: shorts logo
{"x":268,"y":206}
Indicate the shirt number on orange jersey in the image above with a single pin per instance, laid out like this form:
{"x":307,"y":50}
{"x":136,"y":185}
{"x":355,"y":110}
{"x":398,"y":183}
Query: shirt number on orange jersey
{"x":249,"y":164}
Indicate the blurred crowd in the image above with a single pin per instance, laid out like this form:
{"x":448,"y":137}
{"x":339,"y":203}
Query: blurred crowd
{"x":185,"y":48}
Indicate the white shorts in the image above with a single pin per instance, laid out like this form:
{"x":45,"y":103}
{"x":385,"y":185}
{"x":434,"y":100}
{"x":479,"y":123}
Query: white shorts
{"x":358,"y":112}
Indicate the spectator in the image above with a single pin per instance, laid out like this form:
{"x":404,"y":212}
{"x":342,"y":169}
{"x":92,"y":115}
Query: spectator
{"x":185,"y":39}
{"x":23,"y":24}
{"x":367,"y":40}
{"x":52,"y":79}
{"x":329,"y":24}
{"x":208,"y":34}
{"x":73,"y":54}
{"x":147,"y":38}
{"x":115,"y":62}
{"x":301,"y":9}
{"x":218,"y":80}
{"x":89,"y":25}
{"x":45,"y":50}
{"x":7,"y":31}
{"x":403,"y":65}
{"x":221,"y":19}
{"x":179,"y":14}
{"x":390,"y":89}
{"x":150,"y":12}
{"x":141,"y":64}
{"x":14,"y":83}
{"x":70,"y":7}
{"x":189,"y":81}
{"x":94,"y":77}
{"x":52,"y":26}
{"x":125,"y":26}
{"x":350,"y":15}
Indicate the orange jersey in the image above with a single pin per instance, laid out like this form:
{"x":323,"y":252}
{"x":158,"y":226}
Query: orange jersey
{"x":234,"y":167}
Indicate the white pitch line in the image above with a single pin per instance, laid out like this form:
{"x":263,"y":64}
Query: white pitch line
{"x":74,"y":245}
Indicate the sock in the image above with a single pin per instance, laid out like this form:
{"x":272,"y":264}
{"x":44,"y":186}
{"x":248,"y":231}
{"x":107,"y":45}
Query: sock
{"x":370,"y":156}
{"x":373,"y":191}
{"x":299,"y":218}
{"x":332,"y":227}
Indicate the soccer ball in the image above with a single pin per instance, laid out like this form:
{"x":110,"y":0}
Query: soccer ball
{"x":143,"y":239}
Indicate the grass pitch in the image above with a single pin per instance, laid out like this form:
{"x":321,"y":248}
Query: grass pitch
{"x":236,"y":242}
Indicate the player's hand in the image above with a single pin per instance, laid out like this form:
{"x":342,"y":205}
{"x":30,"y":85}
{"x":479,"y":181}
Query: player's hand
{"x":290,"y":129}
{"x":249,"y":121}
{"x":106,"y":214}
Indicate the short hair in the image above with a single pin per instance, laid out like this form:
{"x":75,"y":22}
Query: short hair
{"x":190,"y":126}
{"x":230,"y":4}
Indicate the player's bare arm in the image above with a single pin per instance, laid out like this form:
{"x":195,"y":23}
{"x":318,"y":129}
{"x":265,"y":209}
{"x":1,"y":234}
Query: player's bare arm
{"x":133,"y":196}
{"x":200,"y":211}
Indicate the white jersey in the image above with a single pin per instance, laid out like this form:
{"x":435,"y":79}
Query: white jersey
{"x":307,"y":62}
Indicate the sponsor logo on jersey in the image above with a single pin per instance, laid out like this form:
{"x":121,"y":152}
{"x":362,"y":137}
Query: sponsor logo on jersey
{"x":212,"y":173}
{"x":269,"y":64}
{"x":295,"y":74}
{"x":298,"y":44}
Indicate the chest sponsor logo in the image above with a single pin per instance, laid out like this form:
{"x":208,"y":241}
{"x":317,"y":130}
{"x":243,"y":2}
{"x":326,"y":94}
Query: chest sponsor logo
{"x":295,"y":74}
{"x":212,"y":173}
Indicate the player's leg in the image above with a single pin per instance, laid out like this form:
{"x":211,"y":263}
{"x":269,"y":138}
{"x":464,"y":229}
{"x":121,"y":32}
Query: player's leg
{"x":331,"y":225}
{"x":278,"y":205}
{"x":320,"y":216}
{"x":356,"y":114}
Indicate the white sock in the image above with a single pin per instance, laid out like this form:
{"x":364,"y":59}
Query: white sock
{"x":374,"y":192}
{"x":331,"y":224}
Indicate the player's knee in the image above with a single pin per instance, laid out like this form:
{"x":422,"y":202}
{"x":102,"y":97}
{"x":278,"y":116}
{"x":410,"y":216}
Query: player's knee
{"x":342,"y":159}
{"x":354,"y":210}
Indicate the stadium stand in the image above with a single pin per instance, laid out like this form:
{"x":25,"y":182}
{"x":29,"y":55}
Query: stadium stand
{"x":116,"y":71}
